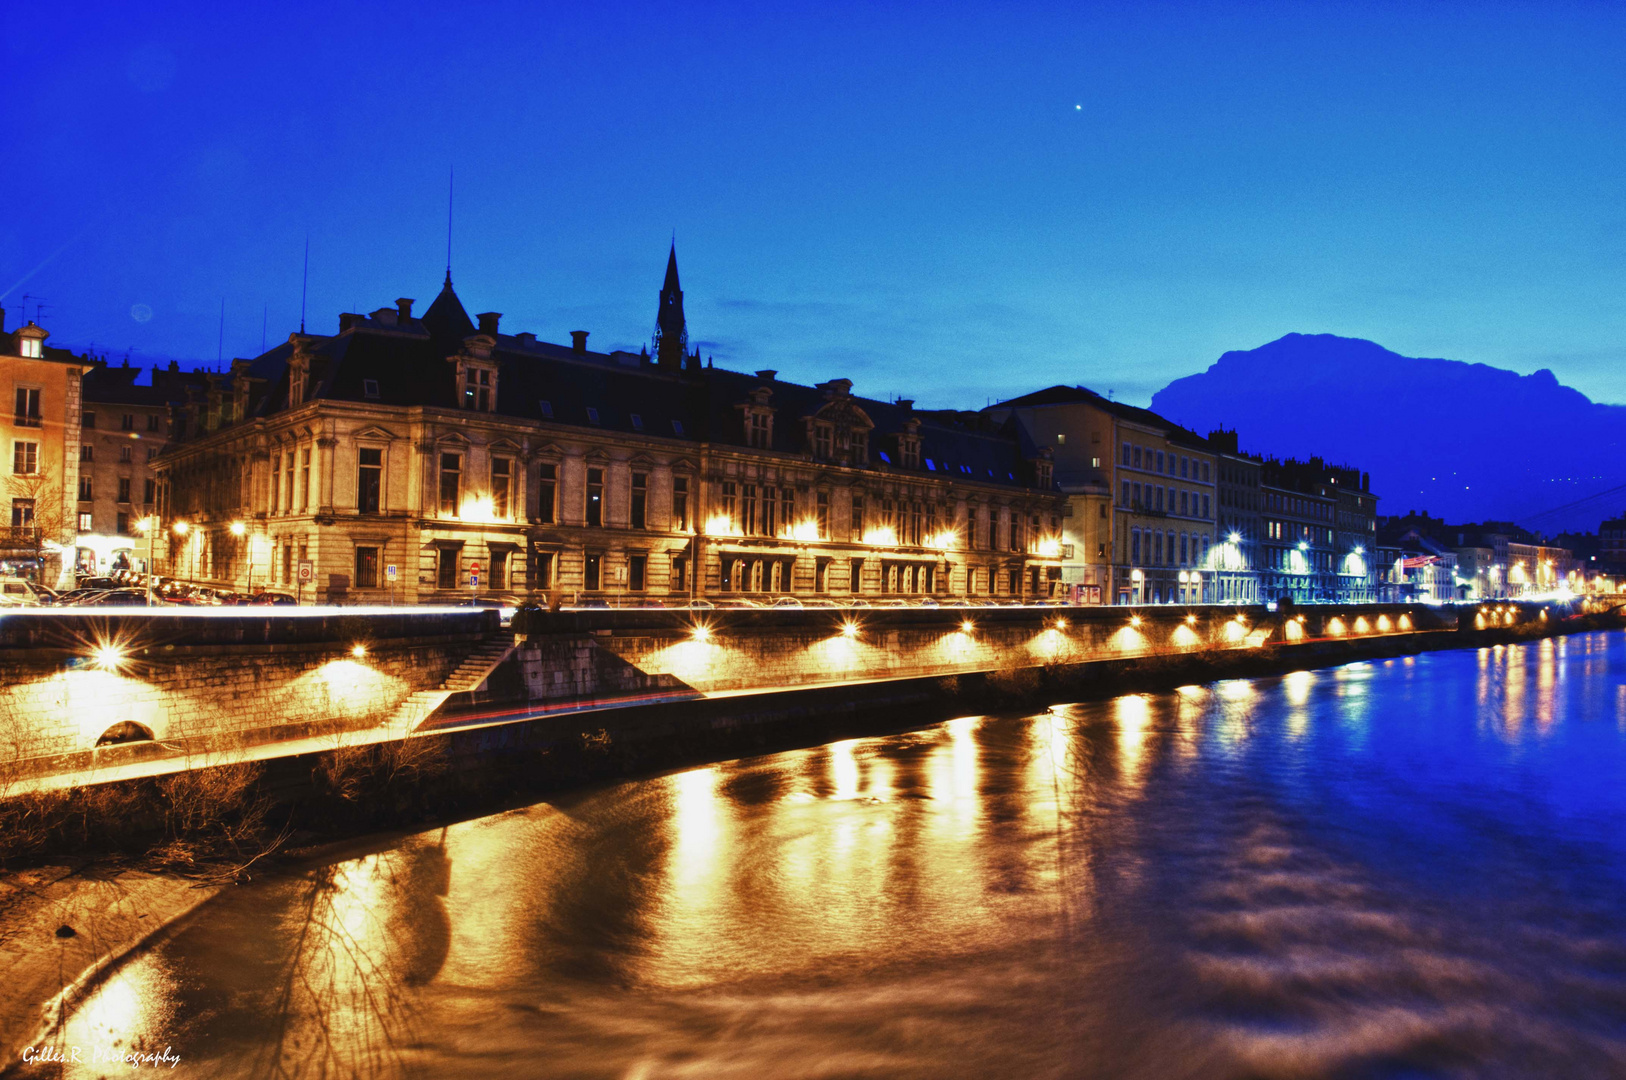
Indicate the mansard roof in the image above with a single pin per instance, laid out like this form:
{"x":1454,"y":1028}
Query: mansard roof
{"x":626,"y":392}
{"x":1079,"y":395}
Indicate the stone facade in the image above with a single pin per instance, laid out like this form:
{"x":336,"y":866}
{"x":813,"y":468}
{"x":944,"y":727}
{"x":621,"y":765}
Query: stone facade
{"x":41,"y":465}
{"x":479,"y":463}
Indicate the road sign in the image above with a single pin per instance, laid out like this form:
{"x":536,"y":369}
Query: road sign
{"x":307,"y":570}
{"x":474,"y":579}
{"x":474,"y":567}
{"x":389,"y":571}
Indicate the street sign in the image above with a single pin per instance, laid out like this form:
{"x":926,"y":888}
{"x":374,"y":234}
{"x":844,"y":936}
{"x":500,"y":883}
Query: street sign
{"x":389,"y":571}
{"x":474,"y":567}
{"x":307,"y":571}
{"x":474,"y":579}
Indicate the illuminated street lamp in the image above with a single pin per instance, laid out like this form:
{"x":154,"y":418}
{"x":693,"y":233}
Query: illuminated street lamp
{"x":1139,"y":580}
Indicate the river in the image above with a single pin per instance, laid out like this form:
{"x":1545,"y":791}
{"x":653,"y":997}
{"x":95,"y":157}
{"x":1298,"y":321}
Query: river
{"x":1406,"y":868}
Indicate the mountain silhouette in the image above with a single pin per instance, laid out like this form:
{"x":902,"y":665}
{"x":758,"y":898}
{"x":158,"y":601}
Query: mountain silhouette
{"x":1468,"y":442}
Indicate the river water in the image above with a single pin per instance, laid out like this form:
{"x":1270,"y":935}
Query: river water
{"x":1409,"y":868}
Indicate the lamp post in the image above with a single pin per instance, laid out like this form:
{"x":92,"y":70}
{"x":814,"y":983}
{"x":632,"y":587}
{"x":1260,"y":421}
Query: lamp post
{"x":149,"y":525}
{"x":180,"y":528}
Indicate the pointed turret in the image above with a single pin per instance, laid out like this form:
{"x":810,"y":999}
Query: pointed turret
{"x":671,"y":334}
{"x":446,"y":318}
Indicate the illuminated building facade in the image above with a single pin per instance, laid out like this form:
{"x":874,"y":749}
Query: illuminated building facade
{"x":1238,"y":498}
{"x":123,"y":428}
{"x":1298,"y":547}
{"x":1140,"y":522}
{"x":42,"y":456}
{"x":468,"y":460}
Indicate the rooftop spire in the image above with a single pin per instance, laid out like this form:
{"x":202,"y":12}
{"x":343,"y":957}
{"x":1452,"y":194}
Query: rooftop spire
{"x":671,"y":332}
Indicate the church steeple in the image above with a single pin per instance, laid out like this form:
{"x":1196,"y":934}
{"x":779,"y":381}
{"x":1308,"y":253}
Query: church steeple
{"x":671,"y":334}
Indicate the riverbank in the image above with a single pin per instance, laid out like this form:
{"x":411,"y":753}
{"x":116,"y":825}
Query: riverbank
{"x":353,"y":792}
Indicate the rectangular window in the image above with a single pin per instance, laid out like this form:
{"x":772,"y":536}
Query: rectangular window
{"x":125,"y":453}
{"x":366,"y":568}
{"x":592,"y":416}
{"x":1185,"y":466}
{"x":677,"y":428}
{"x":28,"y":407}
{"x":87,"y":420}
{"x":84,"y":521}
{"x":451,"y":479}
{"x":636,"y":571}
{"x":25,"y":458}
{"x":127,"y":422}
{"x":547,"y":481}
{"x":680,"y":503}
{"x":124,"y":489}
{"x":1134,"y":547}
{"x":288,"y":481}
{"x":640,"y":498}
{"x":590,"y":572}
{"x":369,"y":389}
{"x":679,"y":581}
{"x":748,"y":509}
{"x":547,"y":409}
{"x":276,"y":477}
{"x":541,"y":569}
{"x":595,"y":498}
{"x":858,"y":518}
{"x":787,"y":508}
{"x":502,"y":492}
{"x":305,"y":479}
{"x":87,"y":452}
{"x":369,"y":481}
{"x":1205,"y":506}
{"x":637,"y":422}
{"x":84,"y":489}
{"x":152,"y":452}
{"x":22,"y":513}
{"x":730,"y":504}
{"x":856,"y":576}
{"x":821,"y":442}
{"x":152,"y":421}
{"x":769,"y":506}
{"x":446,"y":577}
{"x":123,"y":524}
{"x":499,"y":569}
{"x":823,"y":519}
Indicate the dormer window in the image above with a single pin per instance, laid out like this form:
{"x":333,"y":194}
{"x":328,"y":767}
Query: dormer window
{"x":369,"y":388}
{"x":297,"y":377}
{"x":637,"y":422}
{"x":592,"y":416}
{"x":821,"y":441}
{"x":479,"y":388}
{"x":32,"y":348}
{"x":757,"y":417}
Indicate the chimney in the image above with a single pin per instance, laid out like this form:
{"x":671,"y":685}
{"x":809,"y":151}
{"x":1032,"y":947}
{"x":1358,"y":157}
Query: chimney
{"x":907,"y":404}
{"x":488,"y":322}
{"x":767,"y":374}
{"x":347,"y":320}
{"x":403,"y":308}
{"x":578,"y":340}
{"x":526,"y":338}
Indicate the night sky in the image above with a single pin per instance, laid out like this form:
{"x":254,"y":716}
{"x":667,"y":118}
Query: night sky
{"x":938,"y":203}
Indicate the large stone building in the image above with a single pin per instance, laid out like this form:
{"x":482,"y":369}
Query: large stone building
{"x":1140,"y":526}
{"x":425,"y":458}
{"x":1238,"y":499}
{"x":124,"y":426}
{"x":42,"y":462}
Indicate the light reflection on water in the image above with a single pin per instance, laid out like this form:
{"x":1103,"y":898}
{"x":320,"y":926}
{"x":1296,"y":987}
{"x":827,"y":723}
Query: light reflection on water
{"x":1405,"y":868}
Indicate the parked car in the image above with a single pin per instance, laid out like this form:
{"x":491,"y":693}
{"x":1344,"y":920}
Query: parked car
{"x":273,"y":599}
{"x":116,"y":598}
{"x":787,"y":602}
{"x":20,"y":592}
{"x":88,"y":581}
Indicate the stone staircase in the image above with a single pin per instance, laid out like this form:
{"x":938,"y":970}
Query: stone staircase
{"x":474,"y":670}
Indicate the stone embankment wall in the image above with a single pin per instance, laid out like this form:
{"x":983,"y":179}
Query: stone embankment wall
{"x":211,"y":681}
{"x":588,"y":656}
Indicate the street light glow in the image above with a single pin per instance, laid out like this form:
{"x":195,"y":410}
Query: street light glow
{"x":238,"y":528}
{"x":358,"y":651}
{"x":849,"y":629}
{"x":108,"y":657}
{"x":181,"y":528}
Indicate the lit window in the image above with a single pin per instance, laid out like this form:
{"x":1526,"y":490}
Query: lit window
{"x":31,"y":348}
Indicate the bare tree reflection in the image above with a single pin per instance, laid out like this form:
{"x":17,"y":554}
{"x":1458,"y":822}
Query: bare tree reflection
{"x":365,"y":933}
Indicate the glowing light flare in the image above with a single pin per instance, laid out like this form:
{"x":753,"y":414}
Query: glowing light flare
{"x":720,"y":525}
{"x":701,"y":634}
{"x":943,"y":541}
{"x":238,"y":528}
{"x":108,"y":656}
{"x":358,"y":651}
{"x":1336,"y":627}
{"x":1185,"y":637}
{"x":804,"y":531}
{"x":181,"y":528}
{"x":968,"y":627}
{"x":1362,"y":626}
{"x":881,"y":536}
{"x":1384,"y":625}
{"x":1405,"y":622}
{"x":1049,"y":548}
{"x":480,"y":508}
{"x":849,"y":629}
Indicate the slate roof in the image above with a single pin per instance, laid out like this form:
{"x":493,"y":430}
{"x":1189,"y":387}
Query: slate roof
{"x":623,"y":392}
{"x":1078,"y":395}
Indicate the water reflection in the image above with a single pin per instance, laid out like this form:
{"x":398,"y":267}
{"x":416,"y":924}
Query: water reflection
{"x":1358,"y":871}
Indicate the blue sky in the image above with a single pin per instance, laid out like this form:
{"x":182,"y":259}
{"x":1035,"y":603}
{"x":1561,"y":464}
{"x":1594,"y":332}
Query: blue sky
{"x":943,"y":202}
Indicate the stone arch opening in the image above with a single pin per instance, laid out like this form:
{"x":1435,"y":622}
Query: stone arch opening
{"x":125,"y":731}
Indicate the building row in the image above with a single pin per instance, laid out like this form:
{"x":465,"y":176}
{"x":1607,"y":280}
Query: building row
{"x":416,"y":457}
